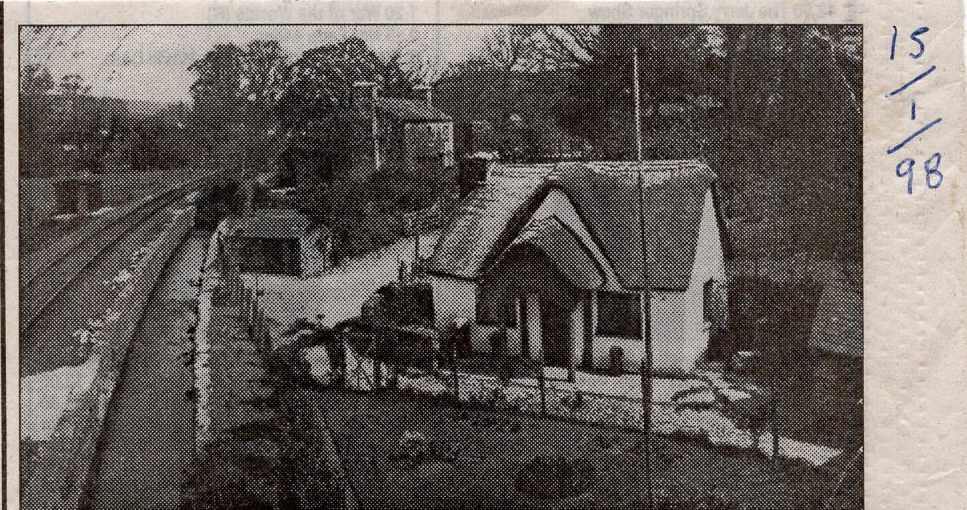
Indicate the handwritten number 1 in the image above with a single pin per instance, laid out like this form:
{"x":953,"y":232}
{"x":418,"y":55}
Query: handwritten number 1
{"x":893,"y":43}
{"x":908,"y":173}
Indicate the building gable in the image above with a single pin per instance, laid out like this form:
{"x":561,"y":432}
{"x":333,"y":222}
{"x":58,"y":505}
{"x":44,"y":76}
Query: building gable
{"x":602,"y":197}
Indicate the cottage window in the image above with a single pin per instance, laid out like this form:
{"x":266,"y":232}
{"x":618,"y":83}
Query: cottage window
{"x":494,"y":308}
{"x":619,"y":314}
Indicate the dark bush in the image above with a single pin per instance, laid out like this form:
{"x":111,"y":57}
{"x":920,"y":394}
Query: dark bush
{"x":616,"y":361}
{"x":555,"y":478}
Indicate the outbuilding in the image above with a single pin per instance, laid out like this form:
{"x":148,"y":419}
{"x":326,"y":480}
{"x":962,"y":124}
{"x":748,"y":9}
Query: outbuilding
{"x":279,"y":242}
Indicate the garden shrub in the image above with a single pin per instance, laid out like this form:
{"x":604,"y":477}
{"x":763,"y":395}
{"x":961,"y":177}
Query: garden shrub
{"x":555,"y":478}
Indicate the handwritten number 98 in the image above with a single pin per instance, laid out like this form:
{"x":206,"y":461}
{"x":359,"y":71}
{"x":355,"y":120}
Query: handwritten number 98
{"x":931,"y":166}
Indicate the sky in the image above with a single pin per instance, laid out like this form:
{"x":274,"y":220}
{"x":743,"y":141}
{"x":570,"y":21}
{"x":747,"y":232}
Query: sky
{"x":151,"y":62}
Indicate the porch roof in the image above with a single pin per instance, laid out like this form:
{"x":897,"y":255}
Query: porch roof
{"x":552,"y":238}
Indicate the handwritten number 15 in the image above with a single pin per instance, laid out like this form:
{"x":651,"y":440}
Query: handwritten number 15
{"x":930,"y":166}
{"x":914,"y":36}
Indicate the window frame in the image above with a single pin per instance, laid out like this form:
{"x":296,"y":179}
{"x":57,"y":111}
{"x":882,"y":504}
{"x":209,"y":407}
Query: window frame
{"x":608,"y":326}
{"x":504,"y":312}
{"x":284,"y":252}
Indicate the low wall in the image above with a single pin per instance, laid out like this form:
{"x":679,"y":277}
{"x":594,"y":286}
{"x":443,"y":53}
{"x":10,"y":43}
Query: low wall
{"x":208,"y":281}
{"x":62,"y":467}
{"x":214,"y":288}
{"x":670,"y":414}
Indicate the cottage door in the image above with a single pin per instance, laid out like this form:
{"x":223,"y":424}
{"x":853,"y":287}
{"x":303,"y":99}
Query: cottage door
{"x":554,"y":333}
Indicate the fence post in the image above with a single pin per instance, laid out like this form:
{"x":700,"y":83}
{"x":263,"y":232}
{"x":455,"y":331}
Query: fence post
{"x":541,"y":385}
{"x":646,"y":428}
{"x":250,"y":315}
{"x":453,"y":367}
{"x":345,"y":360}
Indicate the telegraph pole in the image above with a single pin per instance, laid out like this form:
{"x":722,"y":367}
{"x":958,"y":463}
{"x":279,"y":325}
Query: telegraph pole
{"x":646,"y":390}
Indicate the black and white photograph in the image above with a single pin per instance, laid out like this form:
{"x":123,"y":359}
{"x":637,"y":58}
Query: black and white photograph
{"x":378,"y":266}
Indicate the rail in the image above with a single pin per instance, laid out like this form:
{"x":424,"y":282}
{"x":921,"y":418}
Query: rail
{"x":127,"y":219}
{"x":62,"y":467}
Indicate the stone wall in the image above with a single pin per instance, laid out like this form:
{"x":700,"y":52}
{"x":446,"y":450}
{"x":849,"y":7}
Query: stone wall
{"x":61,"y":469}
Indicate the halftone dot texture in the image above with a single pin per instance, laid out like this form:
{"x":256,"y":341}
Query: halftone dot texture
{"x":403,"y":266}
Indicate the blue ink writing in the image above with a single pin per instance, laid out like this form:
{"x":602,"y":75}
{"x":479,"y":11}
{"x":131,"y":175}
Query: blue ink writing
{"x":914,"y":135}
{"x":913,"y":36}
{"x":911,"y":82}
{"x":908,"y":173}
{"x":933,"y":171}
{"x":893,"y":43}
{"x":931,"y":168}
{"x":905,"y":168}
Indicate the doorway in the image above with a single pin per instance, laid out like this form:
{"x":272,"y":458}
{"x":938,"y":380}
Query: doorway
{"x":554,"y":333}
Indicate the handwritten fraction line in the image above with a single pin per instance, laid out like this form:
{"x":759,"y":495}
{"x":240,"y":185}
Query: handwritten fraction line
{"x":911,"y":137}
{"x":911,"y":82}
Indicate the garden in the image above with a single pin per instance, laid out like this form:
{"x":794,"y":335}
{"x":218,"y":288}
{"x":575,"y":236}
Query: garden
{"x":403,"y":450}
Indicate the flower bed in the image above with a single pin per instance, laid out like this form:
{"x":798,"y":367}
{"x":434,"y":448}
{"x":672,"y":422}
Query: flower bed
{"x":563,"y":400}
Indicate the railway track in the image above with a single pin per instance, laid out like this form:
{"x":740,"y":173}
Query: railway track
{"x":67,"y":289}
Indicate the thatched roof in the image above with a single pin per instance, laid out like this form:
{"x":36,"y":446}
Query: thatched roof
{"x":603,"y":193}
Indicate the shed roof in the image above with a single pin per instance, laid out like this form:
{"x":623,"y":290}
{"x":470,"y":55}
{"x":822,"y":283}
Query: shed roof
{"x":838,"y":326}
{"x":603,"y":193}
{"x":411,"y":110}
{"x":273,"y":224}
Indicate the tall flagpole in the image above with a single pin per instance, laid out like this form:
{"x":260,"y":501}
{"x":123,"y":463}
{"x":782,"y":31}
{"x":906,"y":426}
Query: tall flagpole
{"x":634,"y":56}
{"x":646,"y":390}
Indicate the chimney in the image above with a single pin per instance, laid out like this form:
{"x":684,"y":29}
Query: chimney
{"x":364,"y":97}
{"x":424,"y":92}
{"x":474,"y":171}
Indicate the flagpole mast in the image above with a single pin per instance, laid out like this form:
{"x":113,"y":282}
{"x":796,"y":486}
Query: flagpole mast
{"x":646,"y":389}
{"x":634,"y":56}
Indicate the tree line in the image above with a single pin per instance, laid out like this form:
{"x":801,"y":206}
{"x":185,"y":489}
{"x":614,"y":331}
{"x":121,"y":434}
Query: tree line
{"x":774,"y":110}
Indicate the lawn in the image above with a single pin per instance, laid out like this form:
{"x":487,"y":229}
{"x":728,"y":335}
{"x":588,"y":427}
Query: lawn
{"x":476,"y":456}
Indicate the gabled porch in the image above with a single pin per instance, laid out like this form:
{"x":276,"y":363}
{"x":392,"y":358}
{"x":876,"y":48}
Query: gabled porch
{"x":535,"y":299}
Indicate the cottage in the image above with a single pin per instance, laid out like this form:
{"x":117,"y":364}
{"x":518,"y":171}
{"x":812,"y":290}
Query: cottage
{"x":546,"y":260}
{"x":278,"y":241}
{"x":398,"y":133}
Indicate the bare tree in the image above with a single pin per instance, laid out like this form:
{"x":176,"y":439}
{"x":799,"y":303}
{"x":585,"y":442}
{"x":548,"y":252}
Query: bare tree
{"x":513,"y":48}
{"x":564,"y":46}
{"x":263,"y":70}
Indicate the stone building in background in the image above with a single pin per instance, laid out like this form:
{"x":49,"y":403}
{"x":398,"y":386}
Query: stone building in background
{"x":399,"y":134}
